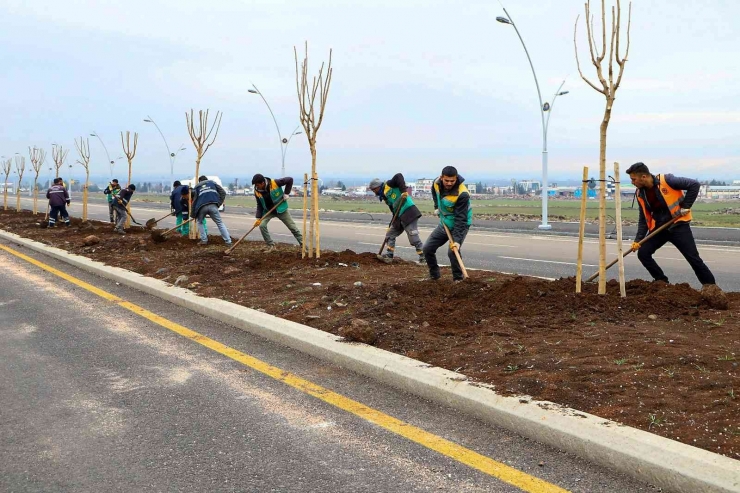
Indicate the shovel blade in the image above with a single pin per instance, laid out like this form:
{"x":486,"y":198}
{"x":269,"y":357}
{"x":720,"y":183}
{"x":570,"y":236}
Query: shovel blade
{"x":151,"y":223}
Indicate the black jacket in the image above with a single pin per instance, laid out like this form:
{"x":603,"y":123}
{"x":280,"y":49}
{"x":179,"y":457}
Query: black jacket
{"x":57,"y":196}
{"x":662,"y":215}
{"x":124,"y":197}
{"x":286,"y":182}
{"x":409,"y":215}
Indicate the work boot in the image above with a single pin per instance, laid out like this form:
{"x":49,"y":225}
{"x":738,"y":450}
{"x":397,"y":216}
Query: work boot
{"x":387,"y":257}
{"x":422,"y":260}
{"x":119,"y":231}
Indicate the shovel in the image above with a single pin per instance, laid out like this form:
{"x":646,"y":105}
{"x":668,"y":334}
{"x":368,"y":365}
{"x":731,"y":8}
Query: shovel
{"x":666,"y":225}
{"x":153,"y":222}
{"x":457,"y":254}
{"x":129,"y":215}
{"x":160,"y":237}
{"x":45,"y":224}
{"x":379,"y":256}
{"x":229,"y":250}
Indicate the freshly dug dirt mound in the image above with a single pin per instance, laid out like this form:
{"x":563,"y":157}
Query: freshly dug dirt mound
{"x":664,"y":359}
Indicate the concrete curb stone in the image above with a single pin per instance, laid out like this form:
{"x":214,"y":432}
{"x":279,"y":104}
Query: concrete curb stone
{"x":672,"y":465}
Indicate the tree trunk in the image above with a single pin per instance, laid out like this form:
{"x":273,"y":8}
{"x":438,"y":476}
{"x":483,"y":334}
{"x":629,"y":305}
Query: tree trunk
{"x":35,"y":196}
{"x":314,"y":200}
{"x":18,"y":195}
{"x":305,"y":210}
{"x":602,"y":197}
{"x":193,"y":235}
{"x":84,"y":195}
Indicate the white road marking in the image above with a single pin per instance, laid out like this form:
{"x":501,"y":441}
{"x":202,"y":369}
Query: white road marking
{"x":545,"y":261}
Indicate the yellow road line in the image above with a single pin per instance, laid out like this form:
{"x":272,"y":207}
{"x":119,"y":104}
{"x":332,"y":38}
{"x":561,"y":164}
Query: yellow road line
{"x":445,"y":447}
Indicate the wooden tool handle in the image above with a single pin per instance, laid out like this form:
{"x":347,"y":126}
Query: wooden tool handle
{"x":457,"y":254}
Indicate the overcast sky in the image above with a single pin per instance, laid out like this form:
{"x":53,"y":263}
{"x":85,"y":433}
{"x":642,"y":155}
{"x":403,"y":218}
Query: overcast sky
{"x":417,"y":84}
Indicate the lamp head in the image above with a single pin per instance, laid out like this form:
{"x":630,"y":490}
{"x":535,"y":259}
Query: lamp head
{"x":503,"y":20}
{"x":147,"y":120}
{"x":252,"y":91}
{"x":563,"y":93}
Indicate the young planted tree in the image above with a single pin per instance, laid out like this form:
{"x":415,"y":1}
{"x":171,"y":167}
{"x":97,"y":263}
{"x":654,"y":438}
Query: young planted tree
{"x":37,"y":156}
{"x":307,"y":103}
{"x":130,"y":153}
{"x":20,"y":167}
{"x":6,"y":171}
{"x":608,"y":89}
{"x":83,"y":149}
{"x":59,"y":155}
{"x":202,"y":141}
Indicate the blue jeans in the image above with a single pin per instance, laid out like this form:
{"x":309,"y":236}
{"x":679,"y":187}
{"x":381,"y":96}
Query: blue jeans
{"x":211,"y":210}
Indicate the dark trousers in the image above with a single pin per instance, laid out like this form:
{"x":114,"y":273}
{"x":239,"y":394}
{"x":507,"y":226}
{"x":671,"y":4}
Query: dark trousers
{"x":436,"y":240}
{"x":55,"y":212}
{"x":681,"y":237}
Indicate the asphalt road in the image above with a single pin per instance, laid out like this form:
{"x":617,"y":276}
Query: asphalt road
{"x":522,"y":253}
{"x":97,"y":398}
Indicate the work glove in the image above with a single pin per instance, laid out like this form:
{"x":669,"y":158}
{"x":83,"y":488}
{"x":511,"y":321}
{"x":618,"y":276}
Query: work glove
{"x":68,"y":202}
{"x":454,"y":246}
{"x":683,"y":212}
{"x":404,"y":195}
{"x":257,"y":222}
{"x":436,"y":212}
{"x":635,"y":246}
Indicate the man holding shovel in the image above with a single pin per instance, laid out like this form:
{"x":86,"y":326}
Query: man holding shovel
{"x":452,"y":204}
{"x":268,"y":193}
{"x":111,"y":192}
{"x":406,"y":214}
{"x":208,"y":197}
{"x":58,"y":202}
{"x":662,"y":200}
{"x":121,"y":201}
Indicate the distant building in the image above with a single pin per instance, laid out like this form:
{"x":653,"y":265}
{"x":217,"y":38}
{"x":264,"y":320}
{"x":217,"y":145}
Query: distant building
{"x":720,"y":192}
{"x":529,"y":185}
{"x":423,"y":186}
{"x":472,"y":187}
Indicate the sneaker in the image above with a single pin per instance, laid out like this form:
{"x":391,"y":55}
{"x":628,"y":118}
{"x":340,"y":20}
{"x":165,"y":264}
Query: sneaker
{"x":455,"y":281}
{"x":119,"y":231}
{"x":202,"y":243}
{"x":387,"y":257}
{"x":270,"y":248}
{"x":422,"y":260}
{"x":68,"y":224}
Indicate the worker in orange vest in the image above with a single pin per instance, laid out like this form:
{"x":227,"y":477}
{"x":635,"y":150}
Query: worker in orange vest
{"x":662,"y":198}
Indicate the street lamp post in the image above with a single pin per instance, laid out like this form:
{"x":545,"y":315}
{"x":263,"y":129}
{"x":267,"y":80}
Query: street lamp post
{"x":544,"y":108}
{"x":172,"y":155}
{"x":283,"y":141}
{"x":110,"y":161}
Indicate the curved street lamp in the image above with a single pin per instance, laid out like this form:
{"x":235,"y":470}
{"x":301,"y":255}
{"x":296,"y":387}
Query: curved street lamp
{"x":170,"y":154}
{"x":544,"y":108}
{"x":110,"y":161}
{"x":283,"y":141}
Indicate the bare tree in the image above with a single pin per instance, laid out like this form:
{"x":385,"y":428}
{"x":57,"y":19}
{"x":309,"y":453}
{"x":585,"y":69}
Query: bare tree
{"x":6,"y":171}
{"x":59,"y":155}
{"x":609,"y":86}
{"x":203,"y":138}
{"x":20,"y":167}
{"x":307,"y":114}
{"x":130,"y":153}
{"x":83,"y":149}
{"x":37,"y":157}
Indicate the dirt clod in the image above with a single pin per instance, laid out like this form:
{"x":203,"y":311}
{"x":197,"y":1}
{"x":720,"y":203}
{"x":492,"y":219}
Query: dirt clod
{"x":90,"y":240}
{"x":359,"y":331}
{"x":714,"y":297}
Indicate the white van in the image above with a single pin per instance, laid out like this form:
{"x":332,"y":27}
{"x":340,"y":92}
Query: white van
{"x":214,"y":179}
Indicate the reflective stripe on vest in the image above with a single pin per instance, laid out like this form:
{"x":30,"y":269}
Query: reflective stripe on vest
{"x":671,"y":197}
{"x":276,"y":193}
{"x":447,"y":205}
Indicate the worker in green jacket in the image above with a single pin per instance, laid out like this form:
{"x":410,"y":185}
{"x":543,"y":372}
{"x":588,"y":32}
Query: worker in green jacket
{"x":111,"y":192}
{"x":393,"y":193}
{"x":452,"y":204}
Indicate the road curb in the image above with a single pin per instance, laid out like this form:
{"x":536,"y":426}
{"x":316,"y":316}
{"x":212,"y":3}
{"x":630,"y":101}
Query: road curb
{"x":659,"y":461}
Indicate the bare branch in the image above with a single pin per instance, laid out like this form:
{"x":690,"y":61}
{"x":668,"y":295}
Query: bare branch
{"x":626,"y":54}
{"x":591,"y":38}
{"x":578,"y":63}
{"x":603,"y":32}
{"x":611,"y":55}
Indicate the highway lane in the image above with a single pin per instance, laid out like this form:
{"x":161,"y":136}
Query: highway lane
{"x":521,"y":253}
{"x":105,"y":388}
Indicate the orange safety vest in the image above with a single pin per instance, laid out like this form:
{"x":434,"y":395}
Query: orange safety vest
{"x":672,"y":199}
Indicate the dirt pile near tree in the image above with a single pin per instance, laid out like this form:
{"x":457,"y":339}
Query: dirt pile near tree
{"x":662,"y":359}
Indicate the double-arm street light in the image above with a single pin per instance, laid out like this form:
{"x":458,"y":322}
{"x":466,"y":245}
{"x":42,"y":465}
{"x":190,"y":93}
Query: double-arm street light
{"x":544,"y":108}
{"x":283,"y":141}
{"x":172,"y":155}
